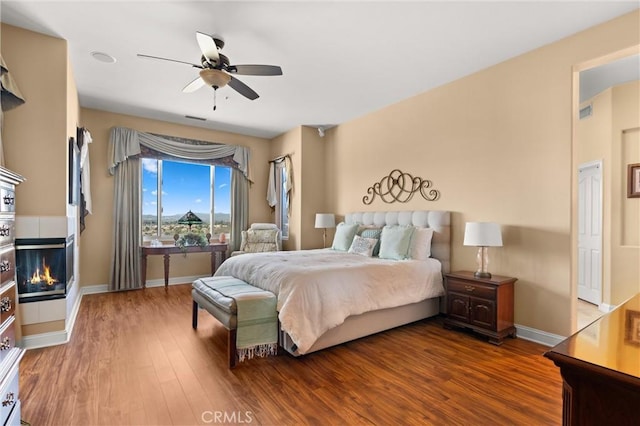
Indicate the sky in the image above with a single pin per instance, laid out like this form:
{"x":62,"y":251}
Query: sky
{"x":186,"y":187}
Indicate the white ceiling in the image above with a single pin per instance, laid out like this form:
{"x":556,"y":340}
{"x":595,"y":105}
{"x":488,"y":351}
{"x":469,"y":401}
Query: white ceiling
{"x":340,"y":60}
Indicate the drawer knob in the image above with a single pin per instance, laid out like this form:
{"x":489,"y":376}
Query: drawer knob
{"x":469,"y":287}
{"x":5,"y":266}
{"x":5,"y":231}
{"x":5,"y":304}
{"x":9,"y":200}
{"x":10,"y":399}
{"x":5,"y":344}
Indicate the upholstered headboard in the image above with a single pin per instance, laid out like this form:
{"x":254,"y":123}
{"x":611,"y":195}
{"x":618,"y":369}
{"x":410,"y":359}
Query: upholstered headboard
{"x":440,"y":221}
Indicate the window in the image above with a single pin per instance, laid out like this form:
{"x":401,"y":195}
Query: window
{"x":172,"y":188}
{"x":282,"y":206}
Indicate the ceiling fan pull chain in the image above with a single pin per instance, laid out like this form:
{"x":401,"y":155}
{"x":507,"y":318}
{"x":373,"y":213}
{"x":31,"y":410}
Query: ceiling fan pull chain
{"x":215,"y":92}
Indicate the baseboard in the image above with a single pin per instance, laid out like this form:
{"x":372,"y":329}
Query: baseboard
{"x":95,"y":289}
{"x":605,"y":307}
{"x":538,"y":336}
{"x":44,"y":340}
{"x":173,"y":281}
{"x":104,"y":288}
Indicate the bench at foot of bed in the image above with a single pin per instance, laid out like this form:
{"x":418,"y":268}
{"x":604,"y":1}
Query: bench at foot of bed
{"x":211,"y":294}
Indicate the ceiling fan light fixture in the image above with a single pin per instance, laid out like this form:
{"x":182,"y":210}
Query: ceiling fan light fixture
{"x":215,"y":78}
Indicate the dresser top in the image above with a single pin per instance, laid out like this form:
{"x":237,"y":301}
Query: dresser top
{"x":611,"y":342}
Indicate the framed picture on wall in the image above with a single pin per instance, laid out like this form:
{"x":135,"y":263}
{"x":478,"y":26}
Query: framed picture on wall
{"x":74,"y":172}
{"x":633,"y":180}
{"x":632,"y":327}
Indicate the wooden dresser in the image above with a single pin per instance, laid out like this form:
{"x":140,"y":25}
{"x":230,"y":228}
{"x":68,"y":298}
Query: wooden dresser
{"x":10,"y":355}
{"x":484,"y":305}
{"x":600,"y":368}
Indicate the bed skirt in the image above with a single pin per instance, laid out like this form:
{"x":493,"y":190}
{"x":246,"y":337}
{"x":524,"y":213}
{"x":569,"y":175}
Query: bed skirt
{"x":357,"y":326}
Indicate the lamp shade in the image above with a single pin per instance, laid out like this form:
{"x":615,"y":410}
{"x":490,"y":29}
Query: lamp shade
{"x":189,"y":218}
{"x":482,"y":234}
{"x":325,"y":220}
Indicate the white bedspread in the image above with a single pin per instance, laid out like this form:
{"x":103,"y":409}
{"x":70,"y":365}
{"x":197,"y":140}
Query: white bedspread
{"x":318,"y":289}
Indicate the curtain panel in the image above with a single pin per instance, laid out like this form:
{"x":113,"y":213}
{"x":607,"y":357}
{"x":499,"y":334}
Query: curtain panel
{"x":125,"y":149}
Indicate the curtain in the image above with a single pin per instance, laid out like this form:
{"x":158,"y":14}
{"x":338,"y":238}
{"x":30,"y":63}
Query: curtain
{"x":125,"y":259}
{"x":239,"y":208}
{"x":124,"y":163}
{"x":272,"y":190}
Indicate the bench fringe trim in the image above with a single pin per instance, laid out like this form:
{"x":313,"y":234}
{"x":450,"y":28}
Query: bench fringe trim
{"x":267,"y":349}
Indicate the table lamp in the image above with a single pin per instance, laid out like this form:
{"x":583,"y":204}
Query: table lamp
{"x":324,"y":221}
{"x":482,"y":235}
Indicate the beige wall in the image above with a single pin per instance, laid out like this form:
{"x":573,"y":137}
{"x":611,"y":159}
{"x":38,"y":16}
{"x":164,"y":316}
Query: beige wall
{"x":313,"y":188}
{"x":497,"y":144}
{"x":95,"y":241}
{"x":35,"y":134}
{"x":625,"y":218}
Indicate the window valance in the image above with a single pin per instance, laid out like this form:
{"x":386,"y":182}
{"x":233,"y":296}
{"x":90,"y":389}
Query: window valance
{"x":125,"y":143}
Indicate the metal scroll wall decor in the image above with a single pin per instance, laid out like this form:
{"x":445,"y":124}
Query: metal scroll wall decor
{"x":400,"y":187}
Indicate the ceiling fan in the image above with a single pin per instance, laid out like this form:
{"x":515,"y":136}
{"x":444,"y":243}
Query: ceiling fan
{"x":215,"y":70}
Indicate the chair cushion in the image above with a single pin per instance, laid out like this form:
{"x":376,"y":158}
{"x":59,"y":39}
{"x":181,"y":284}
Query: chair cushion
{"x":259,"y":240}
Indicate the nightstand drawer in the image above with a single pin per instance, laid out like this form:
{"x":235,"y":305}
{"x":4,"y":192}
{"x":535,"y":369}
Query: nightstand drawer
{"x":472,"y":289}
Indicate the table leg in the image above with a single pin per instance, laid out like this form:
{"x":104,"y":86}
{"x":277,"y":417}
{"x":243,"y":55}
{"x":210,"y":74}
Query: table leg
{"x":143,"y":270}
{"x":166,"y":272}
{"x":213,"y":262}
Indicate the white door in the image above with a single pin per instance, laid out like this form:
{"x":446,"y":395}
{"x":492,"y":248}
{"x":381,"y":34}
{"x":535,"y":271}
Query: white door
{"x":590,"y":232}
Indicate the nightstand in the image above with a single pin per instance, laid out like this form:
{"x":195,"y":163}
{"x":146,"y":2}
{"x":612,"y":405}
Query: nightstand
{"x":484,"y":305}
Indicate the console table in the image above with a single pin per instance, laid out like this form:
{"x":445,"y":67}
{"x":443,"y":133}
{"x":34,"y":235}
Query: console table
{"x":169,"y":249}
{"x":600,"y":368}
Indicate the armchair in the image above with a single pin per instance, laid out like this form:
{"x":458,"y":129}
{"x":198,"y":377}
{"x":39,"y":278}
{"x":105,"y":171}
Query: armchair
{"x":260,"y":237}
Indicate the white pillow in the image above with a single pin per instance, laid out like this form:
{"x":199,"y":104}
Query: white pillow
{"x":420,"y":248}
{"x":344,"y":236}
{"x":363,"y":246}
{"x":394,"y":242}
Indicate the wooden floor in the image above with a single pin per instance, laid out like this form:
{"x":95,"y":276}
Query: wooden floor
{"x":134,"y":359}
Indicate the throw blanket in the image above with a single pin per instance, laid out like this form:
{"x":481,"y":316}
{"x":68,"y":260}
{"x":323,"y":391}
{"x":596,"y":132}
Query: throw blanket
{"x":318,"y":289}
{"x":257,"y":331}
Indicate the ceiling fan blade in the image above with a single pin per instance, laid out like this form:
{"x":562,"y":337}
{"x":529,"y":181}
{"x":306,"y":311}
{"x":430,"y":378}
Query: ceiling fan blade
{"x":255,"y":69}
{"x":208,"y":47}
{"x":194,"y":85}
{"x":242,"y":88}
{"x":166,"y":59}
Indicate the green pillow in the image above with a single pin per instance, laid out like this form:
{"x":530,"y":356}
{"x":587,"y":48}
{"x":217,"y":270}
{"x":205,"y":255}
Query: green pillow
{"x":344,"y":236}
{"x":395,"y":241}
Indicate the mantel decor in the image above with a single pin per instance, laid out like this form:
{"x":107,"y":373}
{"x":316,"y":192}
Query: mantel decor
{"x":400,"y":187}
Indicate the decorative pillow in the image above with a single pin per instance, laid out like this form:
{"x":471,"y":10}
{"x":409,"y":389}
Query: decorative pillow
{"x":394,"y":242}
{"x":375,"y":234}
{"x":420,"y":248}
{"x":363,"y":246}
{"x":344,"y":236}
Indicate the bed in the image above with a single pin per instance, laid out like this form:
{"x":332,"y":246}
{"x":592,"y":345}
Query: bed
{"x":327,"y":297}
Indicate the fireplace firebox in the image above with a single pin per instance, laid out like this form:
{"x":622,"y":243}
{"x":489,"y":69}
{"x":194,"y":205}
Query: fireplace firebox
{"x":44,"y":268}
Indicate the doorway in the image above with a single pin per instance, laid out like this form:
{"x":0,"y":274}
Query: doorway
{"x":590,"y":232}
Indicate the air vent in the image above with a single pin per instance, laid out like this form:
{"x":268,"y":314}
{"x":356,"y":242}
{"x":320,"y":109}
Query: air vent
{"x":586,"y":112}
{"x":191,"y":117}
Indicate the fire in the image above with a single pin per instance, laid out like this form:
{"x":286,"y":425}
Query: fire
{"x":45,"y":277}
